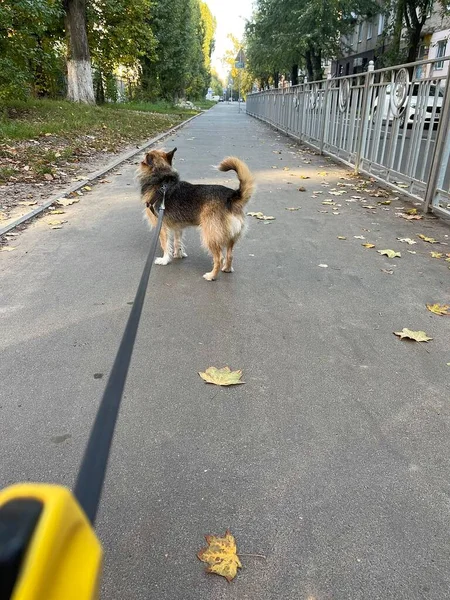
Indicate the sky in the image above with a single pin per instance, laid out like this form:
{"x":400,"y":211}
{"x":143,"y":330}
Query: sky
{"x":230,"y":16}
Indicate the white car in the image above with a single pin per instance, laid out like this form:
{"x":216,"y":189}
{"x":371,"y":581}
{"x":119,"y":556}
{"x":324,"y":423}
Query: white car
{"x":418,"y":103}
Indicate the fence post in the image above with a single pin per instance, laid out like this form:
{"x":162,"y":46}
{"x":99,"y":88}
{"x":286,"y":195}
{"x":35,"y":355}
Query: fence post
{"x":324,"y":113}
{"x":441,"y":152}
{"x":364,"y":125}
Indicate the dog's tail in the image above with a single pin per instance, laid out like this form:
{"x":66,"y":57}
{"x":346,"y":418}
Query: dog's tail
{"x":246,"y":181}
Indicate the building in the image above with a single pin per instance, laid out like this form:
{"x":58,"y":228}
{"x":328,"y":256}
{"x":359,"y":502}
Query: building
{"x":369,"y":41}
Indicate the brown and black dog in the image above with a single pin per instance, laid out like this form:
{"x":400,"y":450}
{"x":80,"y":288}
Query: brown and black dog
{"x":216,"y":209}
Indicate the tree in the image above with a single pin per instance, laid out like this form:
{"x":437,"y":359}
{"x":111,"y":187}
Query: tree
{"x":119,"y":34}
{"x":79,"y":72}
{"x":30,"y":62}
{"x":284,"y":34}
{"x":239,"y":76}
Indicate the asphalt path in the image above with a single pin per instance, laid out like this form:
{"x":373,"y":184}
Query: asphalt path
{"x":333,"y":459}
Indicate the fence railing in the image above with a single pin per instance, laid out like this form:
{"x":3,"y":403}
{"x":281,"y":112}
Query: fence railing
{"x":391,"y":123}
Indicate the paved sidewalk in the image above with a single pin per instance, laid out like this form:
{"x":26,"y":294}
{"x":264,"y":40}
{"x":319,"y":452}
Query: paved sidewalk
{"x":333,"y":459}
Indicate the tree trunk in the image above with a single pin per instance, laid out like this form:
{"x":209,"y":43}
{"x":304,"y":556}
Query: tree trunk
{"x":414,"y":42}
{"x":276,"y":79}
{"x":309,"y":65}
{"x":317,"y":65}
{"x":397,"y":33}
{"x":80,"y":87}
{"x":294,"y":74}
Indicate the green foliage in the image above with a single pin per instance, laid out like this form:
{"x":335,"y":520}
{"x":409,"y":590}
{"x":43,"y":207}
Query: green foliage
{"x":30,"y":58}
{"x":286,"y":33}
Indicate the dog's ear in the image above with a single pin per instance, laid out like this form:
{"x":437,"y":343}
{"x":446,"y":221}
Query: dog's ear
{"x":148,"y":160}
{"x":169,"y":155}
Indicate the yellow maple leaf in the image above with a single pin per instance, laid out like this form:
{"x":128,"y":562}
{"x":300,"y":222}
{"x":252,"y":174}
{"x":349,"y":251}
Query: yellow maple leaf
{"x":436,"y":254}
{"x":417,"y":336}
{"x":368,"y":245}
{"x":411,"y":211}
{"x":389,"y":253}
{"x":221,"y":556}
{"x":439,"y":309}
{"x":430,"y":240}
{"x":224,"y":376}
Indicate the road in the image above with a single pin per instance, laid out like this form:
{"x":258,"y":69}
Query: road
{"x":332,"y":460}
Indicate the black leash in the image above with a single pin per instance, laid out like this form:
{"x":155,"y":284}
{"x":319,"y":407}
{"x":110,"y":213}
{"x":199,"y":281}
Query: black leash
{"x":89,"y":484}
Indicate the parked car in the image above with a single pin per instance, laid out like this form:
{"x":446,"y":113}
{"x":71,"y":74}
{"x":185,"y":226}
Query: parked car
{"x":413,"y":106}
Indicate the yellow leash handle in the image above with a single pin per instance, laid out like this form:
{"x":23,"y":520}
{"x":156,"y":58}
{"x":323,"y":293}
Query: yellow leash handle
{"x":49,"y":551}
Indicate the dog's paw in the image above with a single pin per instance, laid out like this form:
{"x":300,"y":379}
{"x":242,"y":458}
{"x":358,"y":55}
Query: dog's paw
{"x":225,"y":270}
{"x":163,"y":260}
{"x":209,"y":276}
{"x":179,"y":254}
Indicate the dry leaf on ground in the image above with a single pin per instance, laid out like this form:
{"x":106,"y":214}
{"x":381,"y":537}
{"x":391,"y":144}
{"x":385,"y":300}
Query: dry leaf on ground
{"x":221,"y":556}
{"x":384,"y":202}
{"x":28,"y":203}
{"x":292,"y":208}
{"x":67,"y":201}
{"x":407,"y":241}
{"x":224,"y":376}
{"x":305,"y":177}
{"x":341,"y":237}
{"x":302,"y":189}
{"x":368,"y":245}
{"x":439,"y":309}
{"x":417,"y":336}
{"x":324,"y":266}
{"x":436,"y":254}
{"x":430,"y":240}
{"x":56,"y":222}
{"x":411,"y":217}
{"x":7,"y":248}
{"x":411,"y":211}
{"x":359,"y":237}
{"x":389,"y":253}
{"x":388,"y":271}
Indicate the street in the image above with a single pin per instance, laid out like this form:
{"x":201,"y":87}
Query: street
{"x":332,"y":461}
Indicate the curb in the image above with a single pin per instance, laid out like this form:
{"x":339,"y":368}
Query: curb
{"x":79,"y":184}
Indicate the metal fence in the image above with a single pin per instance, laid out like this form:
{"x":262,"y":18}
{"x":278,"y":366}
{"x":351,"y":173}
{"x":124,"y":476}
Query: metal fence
{"x":391,"y":123}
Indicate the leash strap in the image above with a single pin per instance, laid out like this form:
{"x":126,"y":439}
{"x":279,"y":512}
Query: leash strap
{"x":91,"y":476}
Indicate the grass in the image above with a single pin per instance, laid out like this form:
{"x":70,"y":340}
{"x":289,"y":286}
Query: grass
{"x":38,"y":136}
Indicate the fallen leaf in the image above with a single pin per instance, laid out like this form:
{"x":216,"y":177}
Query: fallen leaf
{"x":357,"y":197}
{"x":87,"y":188}
{"x":7,"y":248}
{"x":417,"y":336}
{"x":439,"y":309}
{"x":265,"y":218}
{"x":56,"y":222}
{"x":285,"y":168}
{"x":222,"y":376}
{"x":31,"y":203}
{"x":411,"y":251}
{"x":436,"y":254}
{"x":341,"y":237}
{"x":57,"y":212}
{"x":369,"y":206}
{"x":329,"y":203}
{"x":323,"y":266}
{"x":305,"y":177}
{"x":274,"y":167}
{"x":322,"y":173}
{"x":430,"y":240}
{"x":292,"y":208}
{"x":221,"y":556}
{"x":57,"y":227}
{"x":411,"y":211}
{"x":67,"y":201}
{"x":367,"y":245}
{"x":385,"y":202}
{"x":359,"y":237}
{"x":48,"y":177}
{"x":402,"y":185}
{"x":302,"y":189}
{"x":407,"y":241}
{"x":388,"y":271}
{"x":389,"y":253}
{"x":255,"y":214}
{"x":411,"y":217}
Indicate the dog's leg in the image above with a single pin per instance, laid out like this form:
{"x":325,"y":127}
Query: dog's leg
{"x":216,"y":252}
{"x":164,"y":238}
{"x":227,"y":268}
{"x":178,"y":246}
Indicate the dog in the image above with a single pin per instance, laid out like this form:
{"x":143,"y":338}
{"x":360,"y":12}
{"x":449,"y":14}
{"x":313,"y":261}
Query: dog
{"x":216,"y":209}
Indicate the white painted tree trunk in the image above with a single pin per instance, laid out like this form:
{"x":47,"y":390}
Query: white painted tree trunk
{"x":79,"y":81}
